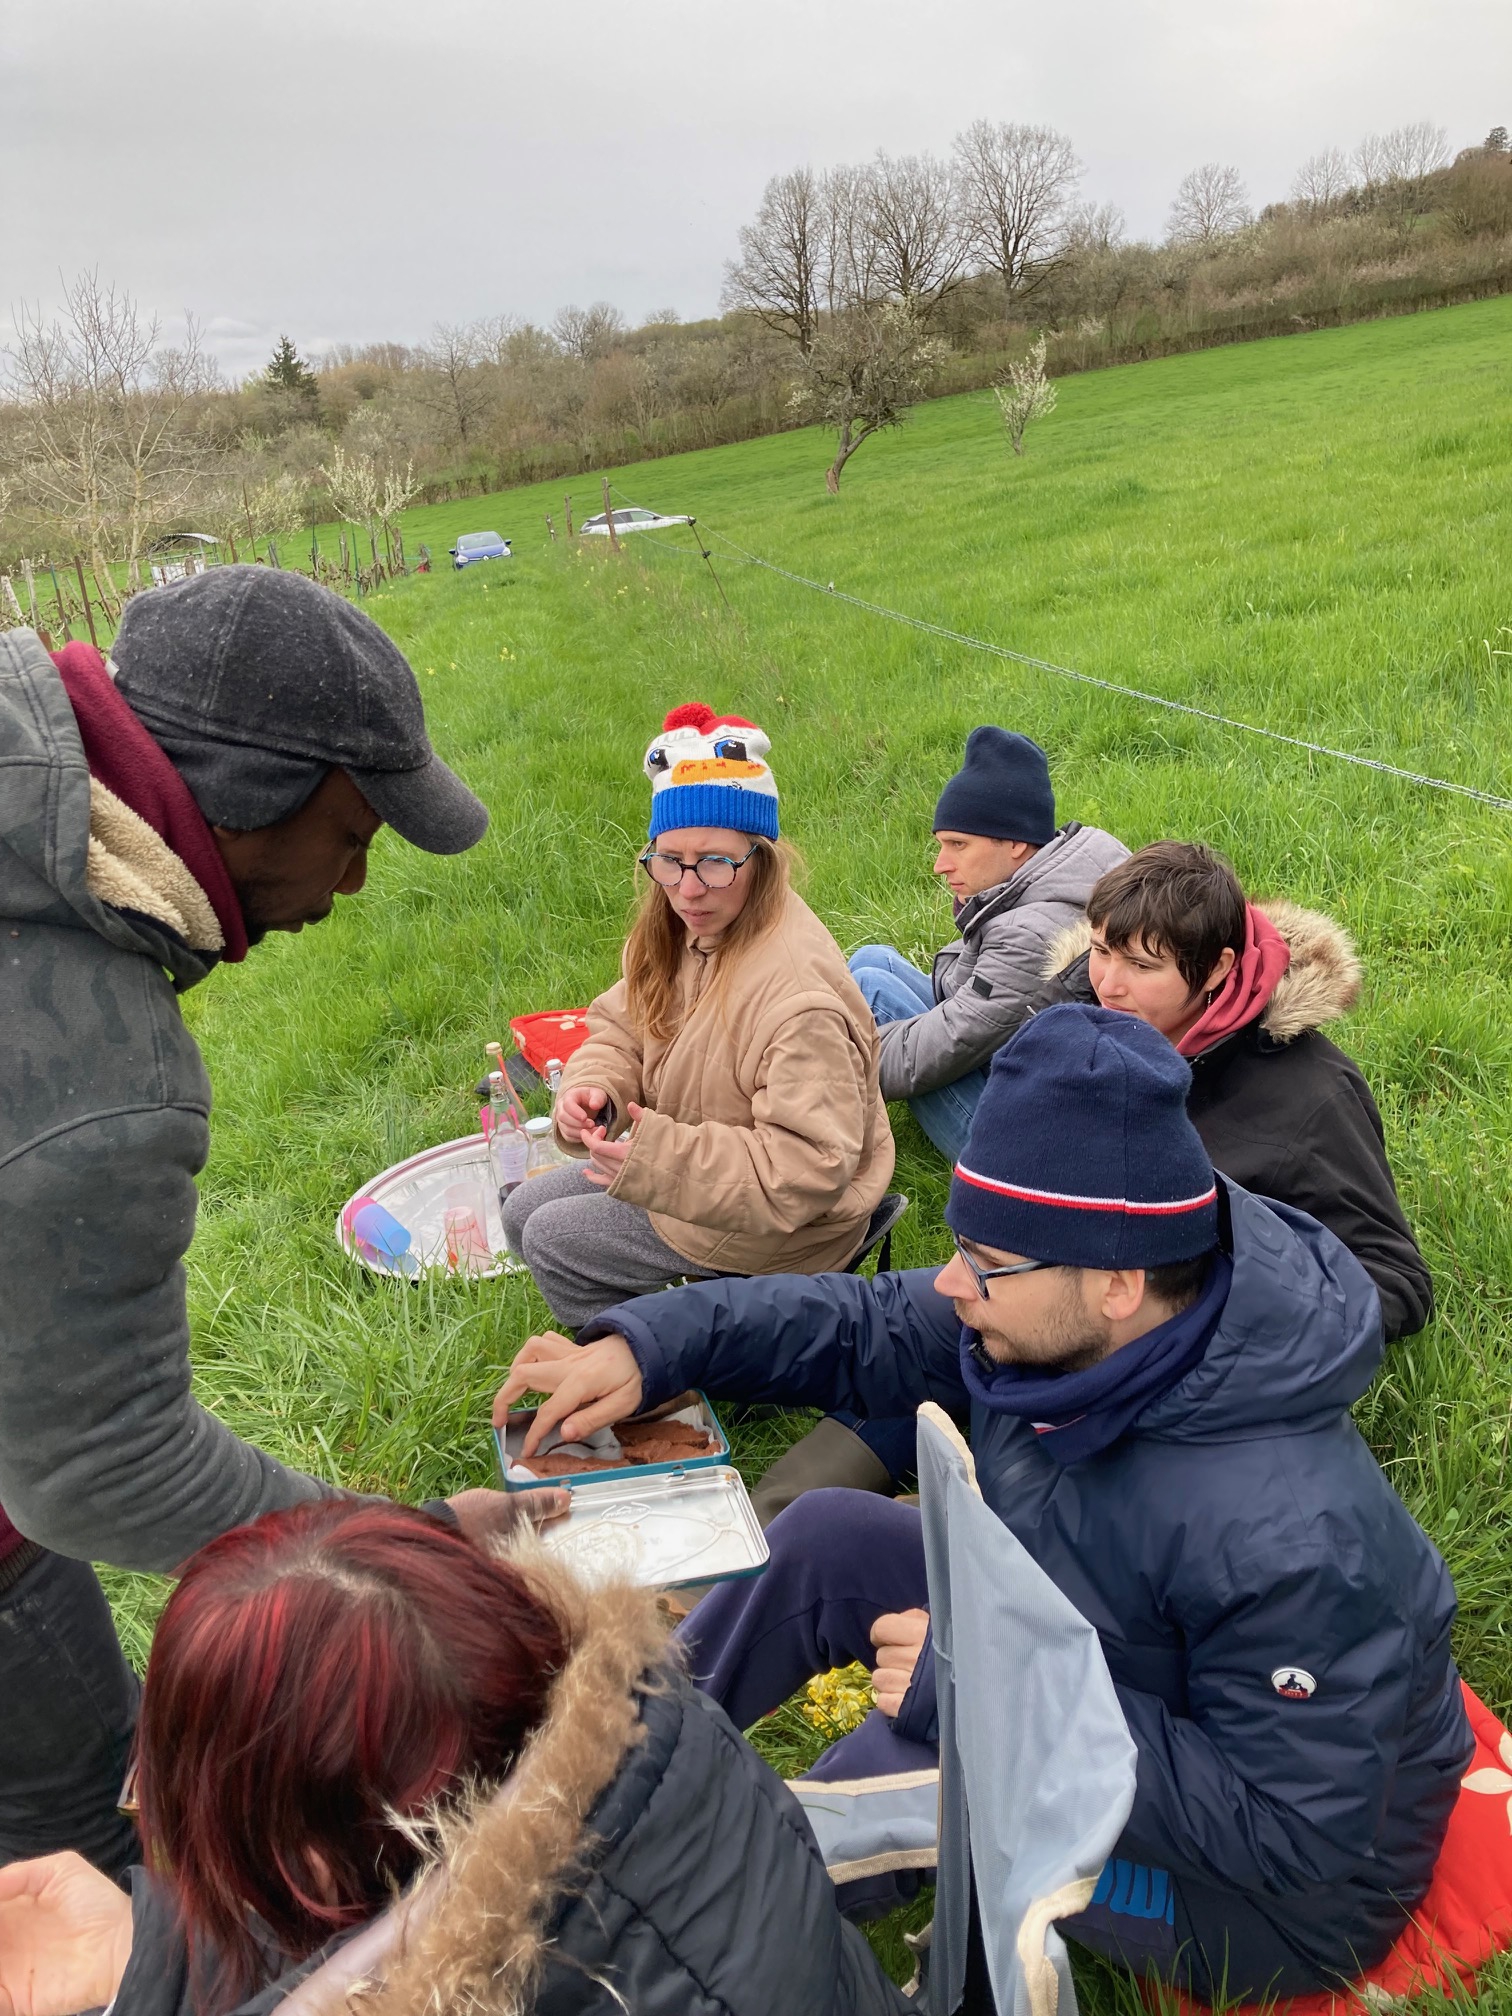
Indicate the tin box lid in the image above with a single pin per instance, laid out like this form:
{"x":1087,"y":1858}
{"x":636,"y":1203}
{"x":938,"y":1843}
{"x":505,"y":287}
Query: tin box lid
{"x":661,"y":1531}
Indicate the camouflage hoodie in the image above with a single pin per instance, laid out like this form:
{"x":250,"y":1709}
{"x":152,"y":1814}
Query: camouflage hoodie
{"x":104,"y":1109}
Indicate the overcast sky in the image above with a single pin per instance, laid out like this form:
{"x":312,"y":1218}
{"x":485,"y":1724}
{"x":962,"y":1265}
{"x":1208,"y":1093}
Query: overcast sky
{"x":356,"y":172}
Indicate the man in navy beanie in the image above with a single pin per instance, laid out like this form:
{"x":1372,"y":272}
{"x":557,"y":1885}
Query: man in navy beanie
{"x":1158,"y":1370}
{"x":1017,"y":882}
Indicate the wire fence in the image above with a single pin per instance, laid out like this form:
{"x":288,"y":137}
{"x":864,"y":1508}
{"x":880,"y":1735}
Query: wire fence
{"x":968,"y":642}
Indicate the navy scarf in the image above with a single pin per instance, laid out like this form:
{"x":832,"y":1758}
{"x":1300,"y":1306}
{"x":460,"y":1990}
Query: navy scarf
{"x":1079,"y":1414}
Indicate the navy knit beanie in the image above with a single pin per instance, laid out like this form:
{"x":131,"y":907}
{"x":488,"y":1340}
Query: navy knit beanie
{"x":1002,"y":790}
{"x":1081,"y":1152}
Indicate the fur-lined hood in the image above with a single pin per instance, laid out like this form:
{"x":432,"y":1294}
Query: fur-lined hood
{"x":1321,"y":984}
{"x":469,"y":1939}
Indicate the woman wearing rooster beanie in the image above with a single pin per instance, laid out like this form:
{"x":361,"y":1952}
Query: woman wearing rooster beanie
{"x":726,"y":1099}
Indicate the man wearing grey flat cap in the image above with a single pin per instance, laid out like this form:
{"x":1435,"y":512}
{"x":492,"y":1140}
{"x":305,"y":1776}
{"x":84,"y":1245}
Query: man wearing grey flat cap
{"x":221,"y":777}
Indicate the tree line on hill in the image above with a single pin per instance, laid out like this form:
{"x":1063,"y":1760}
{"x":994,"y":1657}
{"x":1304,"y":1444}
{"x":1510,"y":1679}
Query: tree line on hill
{"x":853,"y":292}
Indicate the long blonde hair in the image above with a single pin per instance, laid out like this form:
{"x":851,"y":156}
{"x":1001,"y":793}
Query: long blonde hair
{"x":658,"y":938}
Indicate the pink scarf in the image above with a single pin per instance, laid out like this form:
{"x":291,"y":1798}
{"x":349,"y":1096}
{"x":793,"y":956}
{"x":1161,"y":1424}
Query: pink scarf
{"x":126,"y":760}
{"x":1248,"y":988}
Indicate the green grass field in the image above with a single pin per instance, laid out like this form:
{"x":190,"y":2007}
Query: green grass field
{"x":1313,"y":534}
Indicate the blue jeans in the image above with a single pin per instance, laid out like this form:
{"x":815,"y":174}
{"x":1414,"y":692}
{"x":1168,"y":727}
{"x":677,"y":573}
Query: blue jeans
{"x":895,"y":990}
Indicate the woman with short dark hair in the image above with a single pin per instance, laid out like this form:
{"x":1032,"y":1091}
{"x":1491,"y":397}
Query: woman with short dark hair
{"x":370,"y":1752}
{"x":1243,"y":991}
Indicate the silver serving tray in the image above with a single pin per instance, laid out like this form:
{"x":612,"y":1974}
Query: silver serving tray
{"x":414,"y":1192}
{"x":661,"y":1529}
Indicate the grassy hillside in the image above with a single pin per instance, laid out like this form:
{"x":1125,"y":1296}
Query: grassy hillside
{"x":1311,"y":534}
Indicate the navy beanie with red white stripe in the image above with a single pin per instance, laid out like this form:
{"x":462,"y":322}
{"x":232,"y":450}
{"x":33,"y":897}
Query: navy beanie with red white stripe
{"x":1081,"y":1152}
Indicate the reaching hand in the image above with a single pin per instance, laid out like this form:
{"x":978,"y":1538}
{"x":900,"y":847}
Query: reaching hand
{"x":577,"y":1110}
{"x":588,"y":1386}
{"x":606,"y":1158}
{"x":65,"y":1936}
{"x":495,"y":1515}
{"x":899,"y":1639}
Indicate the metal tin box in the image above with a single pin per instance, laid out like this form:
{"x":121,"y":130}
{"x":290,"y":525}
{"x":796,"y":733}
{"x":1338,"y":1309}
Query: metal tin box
{"x":663,"y":1529}
{"x":693,"y":1408}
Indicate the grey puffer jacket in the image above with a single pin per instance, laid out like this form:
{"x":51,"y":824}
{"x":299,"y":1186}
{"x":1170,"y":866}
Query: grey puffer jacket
{"x":990,"y":979}
{"x":640,"y":1856}
{"x":104,"y":1108}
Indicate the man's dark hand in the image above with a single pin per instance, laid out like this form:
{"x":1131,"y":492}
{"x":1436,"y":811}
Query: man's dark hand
{"x":486,"y":1516}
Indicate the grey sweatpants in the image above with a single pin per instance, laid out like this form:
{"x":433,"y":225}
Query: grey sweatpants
{"x":586,"y":1250}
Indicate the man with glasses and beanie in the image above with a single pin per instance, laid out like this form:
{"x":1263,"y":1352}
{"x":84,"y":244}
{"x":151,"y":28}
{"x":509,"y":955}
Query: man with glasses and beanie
{"x":723,"y":1115}
{"x":1158,"y":1369}
{"x":221,"y":777}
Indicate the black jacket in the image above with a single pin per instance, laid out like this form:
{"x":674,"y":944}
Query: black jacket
{"x":641,"y":1856}
{"x":1286,"y":1114}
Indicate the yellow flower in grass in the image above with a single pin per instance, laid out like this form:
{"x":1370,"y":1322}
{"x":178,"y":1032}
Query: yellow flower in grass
{"x":836,"y":1702}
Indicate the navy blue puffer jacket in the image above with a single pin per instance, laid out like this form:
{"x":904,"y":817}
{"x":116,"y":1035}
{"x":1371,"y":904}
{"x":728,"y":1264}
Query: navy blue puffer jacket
{"x":1239,"y":1532}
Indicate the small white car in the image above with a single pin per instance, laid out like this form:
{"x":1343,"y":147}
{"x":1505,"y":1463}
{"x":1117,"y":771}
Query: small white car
{"x":634,"y":519}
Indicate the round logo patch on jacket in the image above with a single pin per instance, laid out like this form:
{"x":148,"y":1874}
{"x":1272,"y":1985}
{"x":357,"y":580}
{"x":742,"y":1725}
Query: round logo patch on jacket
{"x":1294,"y":1683}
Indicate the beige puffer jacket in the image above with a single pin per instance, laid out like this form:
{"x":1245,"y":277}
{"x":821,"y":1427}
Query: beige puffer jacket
{"x":766,"y":1146}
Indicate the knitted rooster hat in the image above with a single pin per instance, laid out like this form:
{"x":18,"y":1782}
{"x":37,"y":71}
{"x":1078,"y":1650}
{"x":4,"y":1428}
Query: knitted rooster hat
{"x":706,"y":769}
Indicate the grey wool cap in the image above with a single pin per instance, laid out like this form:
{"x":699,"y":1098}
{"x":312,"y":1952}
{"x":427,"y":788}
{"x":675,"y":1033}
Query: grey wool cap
{"x":256,"y":682}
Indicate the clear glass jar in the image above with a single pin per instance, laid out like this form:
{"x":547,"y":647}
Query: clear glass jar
{"x":543,"y":1153}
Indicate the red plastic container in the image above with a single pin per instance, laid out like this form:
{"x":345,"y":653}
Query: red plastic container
{"x":554,"y":1032}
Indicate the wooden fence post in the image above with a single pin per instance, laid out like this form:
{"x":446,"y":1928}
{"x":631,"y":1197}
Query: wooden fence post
{"x":62,"y":611}
{"x":568,"y":503}
{"x":551,"y":528}
{"x":88,"y":612}
{"x":609,"y":519}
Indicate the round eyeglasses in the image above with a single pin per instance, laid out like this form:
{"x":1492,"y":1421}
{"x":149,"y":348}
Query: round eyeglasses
{"x":715,"y":871}
{"x":982,"y":1275}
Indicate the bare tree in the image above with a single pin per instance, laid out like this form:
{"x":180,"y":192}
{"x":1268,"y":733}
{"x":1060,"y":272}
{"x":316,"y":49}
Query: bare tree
{"x":589,"y":333}
{"x":1093,"y":227}
{"x":1211,"y":202}
{"x":107,"y":448}
{"x":1407,"y":154}
{"x":1015,"y":185}
{"x":916,"y":229}
{"x":1322,"y":181}
{"x":867,"y":366}
{"x":848,"y":250}
{"x":453,"y":356}
{"x":1026,"y":395}
{"x":777,"y":276}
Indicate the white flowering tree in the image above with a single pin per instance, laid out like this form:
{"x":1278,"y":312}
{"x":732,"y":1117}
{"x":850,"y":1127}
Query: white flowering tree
{"x":1026,"y":395}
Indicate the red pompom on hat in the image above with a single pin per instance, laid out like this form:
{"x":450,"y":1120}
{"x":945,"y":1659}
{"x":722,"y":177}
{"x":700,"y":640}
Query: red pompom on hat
{"x":697,"y":714}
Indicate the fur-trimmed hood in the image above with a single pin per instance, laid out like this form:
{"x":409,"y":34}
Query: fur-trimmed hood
{"x":1321,"y":984}
{"x":470,"y":1936}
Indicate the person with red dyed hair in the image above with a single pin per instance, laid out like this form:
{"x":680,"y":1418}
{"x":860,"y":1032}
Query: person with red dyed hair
{"x":370,"y":1751}
{"x":727,"y":1097}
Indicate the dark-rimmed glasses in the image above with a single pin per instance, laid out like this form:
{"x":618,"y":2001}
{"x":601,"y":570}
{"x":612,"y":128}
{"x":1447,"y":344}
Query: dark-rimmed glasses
{"x":715,"y":871}
{"x":982,"y":1275}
